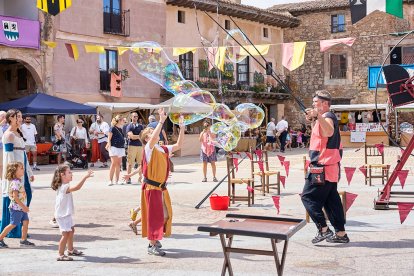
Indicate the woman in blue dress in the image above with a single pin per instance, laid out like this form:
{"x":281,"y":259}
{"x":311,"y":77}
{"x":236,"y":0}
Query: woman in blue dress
{"x":14,"y":151}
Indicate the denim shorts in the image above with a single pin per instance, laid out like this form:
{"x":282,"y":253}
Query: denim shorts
{"x":17,"y":217}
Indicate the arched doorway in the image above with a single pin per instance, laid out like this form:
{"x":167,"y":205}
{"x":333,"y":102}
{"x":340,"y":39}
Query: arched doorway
{"x":18,"y":79}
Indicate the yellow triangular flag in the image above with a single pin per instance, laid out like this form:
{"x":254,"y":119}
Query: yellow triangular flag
{"x":94,"y":49}
{"x":263,"y":50}
{"x":220,"y":58}
{"x":180,"y":51}
{"x":122,"y":50}
{"x":50,"y":44}
{"x":298,"y":54}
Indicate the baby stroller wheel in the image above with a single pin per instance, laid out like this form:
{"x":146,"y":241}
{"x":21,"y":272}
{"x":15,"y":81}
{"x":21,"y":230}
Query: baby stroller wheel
{"x":86,"y":165}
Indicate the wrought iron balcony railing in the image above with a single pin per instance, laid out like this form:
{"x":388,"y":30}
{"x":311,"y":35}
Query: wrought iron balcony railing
{"x":116,"y":21}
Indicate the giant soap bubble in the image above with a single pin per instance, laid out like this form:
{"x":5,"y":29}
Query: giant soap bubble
{"x":233,"y":49}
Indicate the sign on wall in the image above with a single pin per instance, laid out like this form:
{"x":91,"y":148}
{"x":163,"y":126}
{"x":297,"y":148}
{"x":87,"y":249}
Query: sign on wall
{"x":373,"y":75}
{"x":17,"y":32}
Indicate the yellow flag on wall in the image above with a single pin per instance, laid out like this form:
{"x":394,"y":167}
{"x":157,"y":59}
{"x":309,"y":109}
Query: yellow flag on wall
{"x":72,"y":50}
{"x":122,"y":50}
{"x":180,"y":51}
{"x":94,"y":49}
{"x":263,"y":50}
{"x":50,"y":44}
{"x":220,"y":58}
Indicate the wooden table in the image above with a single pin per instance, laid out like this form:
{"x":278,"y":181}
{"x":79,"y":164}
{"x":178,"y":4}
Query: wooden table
{"x":274,"y":228}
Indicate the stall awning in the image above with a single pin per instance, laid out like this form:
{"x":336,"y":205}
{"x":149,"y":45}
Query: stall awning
{"x":357,"y":107}
{"x":121,"y":107}
{"x":406,"y":108}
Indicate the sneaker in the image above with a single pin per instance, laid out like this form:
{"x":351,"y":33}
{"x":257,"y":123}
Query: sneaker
{"x":36,"y":169}
{"x":215,"y":179}
{"x":320,"y":236}
{"x":133,"y":227}
{"x":204,"y":179}
{"x":26,"y":243}
{"x":104,"y":166}
{"x":92,"y":165}
{"x":53,"y":223}
{"x":110,"y":183}
{"x":158,"y":244}
{"x":154,"y":250}
{"x":133,"y":214}
{"x":338,"y":239}
{"x":129,"y":181}
{"x":3,"y":244}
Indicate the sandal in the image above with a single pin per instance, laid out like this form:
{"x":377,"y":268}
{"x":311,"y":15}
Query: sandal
{"x":75,"y":252}
{"x":64,"y":258}
{"x":204,"y":179}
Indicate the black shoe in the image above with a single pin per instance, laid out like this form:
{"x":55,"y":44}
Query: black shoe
{"x":36,"y":169}
{"x":338,"y":239}
{"x":92,"y":165}
{"x":3,"y":244}
{"x":322,"y":235}
{"x":26,"y":243}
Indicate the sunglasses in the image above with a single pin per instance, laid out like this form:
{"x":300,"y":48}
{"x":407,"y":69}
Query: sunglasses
{"x":80,"y":122}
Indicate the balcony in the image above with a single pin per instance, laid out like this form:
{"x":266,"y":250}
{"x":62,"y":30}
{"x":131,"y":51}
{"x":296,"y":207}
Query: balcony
{"x":116,"y":22}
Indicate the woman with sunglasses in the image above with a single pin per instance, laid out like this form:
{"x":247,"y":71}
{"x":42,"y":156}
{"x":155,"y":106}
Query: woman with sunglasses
{"x":79,"y":136}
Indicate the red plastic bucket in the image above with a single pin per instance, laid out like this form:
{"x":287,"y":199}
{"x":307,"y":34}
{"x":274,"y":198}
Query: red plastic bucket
{"x":219,"y":202}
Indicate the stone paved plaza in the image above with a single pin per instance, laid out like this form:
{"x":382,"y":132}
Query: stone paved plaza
{"x":380,"y":245}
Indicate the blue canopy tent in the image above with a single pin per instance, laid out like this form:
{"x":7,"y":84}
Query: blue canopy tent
{"x":43,"y":104}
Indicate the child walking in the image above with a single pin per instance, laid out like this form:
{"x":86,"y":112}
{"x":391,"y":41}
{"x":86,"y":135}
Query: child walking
{"x":64,"y":209}
{"x":18,"y":204}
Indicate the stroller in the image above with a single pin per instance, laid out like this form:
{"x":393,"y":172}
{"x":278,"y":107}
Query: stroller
{"x":77,"y":156}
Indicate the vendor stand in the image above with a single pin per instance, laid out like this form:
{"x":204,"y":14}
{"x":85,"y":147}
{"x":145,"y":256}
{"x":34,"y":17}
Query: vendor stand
{"x":359,"y":124}
{"x":405,"y":137}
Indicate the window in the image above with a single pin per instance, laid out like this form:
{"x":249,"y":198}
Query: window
{"x":112,"y":16}
{"x":22,"y":79}
{"x":402,"y":55}
{"x":227,"y":24}
{"x":186,"y":65}
{"x":338,"y":66}
{"x":243,"y":71}
{"x":265,"y":32}
{"x":338,"y":23}
{"x":181,"y":17}
{"x":107,"y":62}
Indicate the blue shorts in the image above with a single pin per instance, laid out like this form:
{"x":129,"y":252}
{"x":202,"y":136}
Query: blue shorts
{"x":270,"y":139}
{"x":17,"y":217}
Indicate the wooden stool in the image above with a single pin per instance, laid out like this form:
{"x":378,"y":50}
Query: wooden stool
{"x":265,"y":184}
{"x":343,"y":199}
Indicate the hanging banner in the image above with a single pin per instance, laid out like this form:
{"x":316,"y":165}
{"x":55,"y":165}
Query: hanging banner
{"x":349,"y":172}
{"x":53,"y":7}
{"x":281,"y":159}
{"x":50,"y":44}
{"x":72,"y":50}
{"x":249,"y":155}
{"x":181,"y":51}
{"x":380,"y":148}
{"x":260,"y":163}
{"x":404,"y":209}
{"x":283,"y":180}
{"x":116,"y":89}
{"x":363,"y":169}
{"x":276,"y":201}
{"x":259,"y":154}
{"x":286,"y":164}
{"x":293,"y":55}
{"x":19,"y":32}
{"x":236,"y":164}
{"x":349,"y":199}
{"x":326,"y":44}
{"x":263,"y":50}
{"x":402,"y":177}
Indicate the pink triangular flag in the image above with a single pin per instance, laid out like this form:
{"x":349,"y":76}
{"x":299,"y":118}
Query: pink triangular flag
{"x":307,"y":163}
{"x":363,"y":169}
{"x":283,"y":180}
{"x":259,"y":154}
{"x":260,"y":163}
{"x":404,"y":209}
{"x":326,"y":44}
{"x":349,"y":199}
{"x":281,"y":159}
{"x":349,"y":172}
{"x":249,"y":155}
{"x":402,"y":176}
{"x":286,"y":164}
{"x":380,"y":148}
{"x":236,"y":163}
{"x":276,"y":201}
{"x":250,"y":189}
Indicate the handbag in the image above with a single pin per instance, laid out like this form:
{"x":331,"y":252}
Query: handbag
{"x":317,"y":174}
{"x":72,"y":139}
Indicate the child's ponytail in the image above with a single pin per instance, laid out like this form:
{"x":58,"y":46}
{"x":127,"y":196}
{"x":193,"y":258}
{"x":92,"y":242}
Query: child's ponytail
{"x":57,"y":179}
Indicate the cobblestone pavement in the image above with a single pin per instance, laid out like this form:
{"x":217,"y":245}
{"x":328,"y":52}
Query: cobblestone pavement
{"x":380,"y":245}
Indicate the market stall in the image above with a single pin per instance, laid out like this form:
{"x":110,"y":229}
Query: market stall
{"x":405,"y":133}
{"x":360,"y":123}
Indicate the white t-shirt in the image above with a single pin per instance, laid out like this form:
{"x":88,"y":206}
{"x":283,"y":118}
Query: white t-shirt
{"x":102,"y":127}
{"x":148,"y":150}
{"x":80,"y":133}
{"x":64,"y":202}
{"x":29,"y":132}
{"x":270,"y":129}
{"x":282,"y":125}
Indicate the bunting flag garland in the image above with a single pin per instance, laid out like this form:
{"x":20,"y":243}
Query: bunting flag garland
{"x":236,"y":164}
{"x":250,"y":189}
{"x":281,"y":159}
{"x":249,"y":155}
{"x":263,"y":50}
{"x":53,"y":7}
{"x":94,"y":49}
{"x":122,"y":50}
{"x":404,"y":209}
{"x":260,"y":163}
{"x":363,"y":169}
{"x":349,"y":199}
{"x":380,"y":148}
{"x":349,"y":172}
{"x":293,"y":55}
{"x":181,"y":51}
{"x":286,"y":164}
{"x":326,"y":44}
{"x":259,"y":154}
{"x":220,"y":58}
{"x":360,"y":9}
{"x":283,"y":180}
{"x":276,"y":201}
{"x":50,"y":44}
{"x":402,"y":177}
{"x":72,"y":50}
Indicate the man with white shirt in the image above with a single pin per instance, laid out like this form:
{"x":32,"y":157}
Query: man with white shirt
{"x":29,"y":133}
{"x":100,"y":129}
{"x":281,"y":129}
{"x":271,"y":135}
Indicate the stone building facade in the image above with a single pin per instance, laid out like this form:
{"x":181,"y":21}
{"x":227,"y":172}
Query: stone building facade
{"x":370,"y":48}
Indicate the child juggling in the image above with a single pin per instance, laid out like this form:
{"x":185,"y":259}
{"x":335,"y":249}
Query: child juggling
{"x":156,"y":210}
{"x":18,"y":204}
{"x":64,"y":209}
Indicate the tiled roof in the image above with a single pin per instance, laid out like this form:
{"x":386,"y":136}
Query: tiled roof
{"x":308,"y":6}
{"x":281,"y":19}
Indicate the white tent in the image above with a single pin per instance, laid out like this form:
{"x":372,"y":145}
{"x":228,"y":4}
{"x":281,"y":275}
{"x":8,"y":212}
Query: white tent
{"x":191,"y":106}
{"x":357,"y":107}
{"x":120,"y":107}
